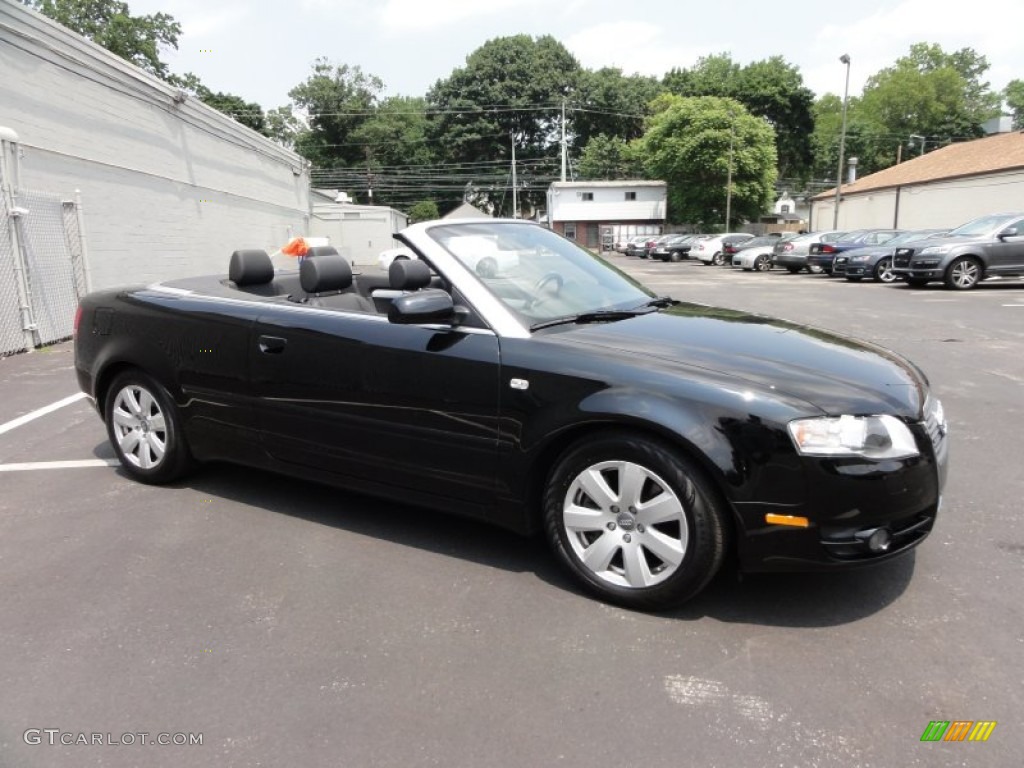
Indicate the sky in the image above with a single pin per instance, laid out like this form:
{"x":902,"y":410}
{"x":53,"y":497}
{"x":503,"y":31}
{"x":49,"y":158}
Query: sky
{"x":260,"y":50}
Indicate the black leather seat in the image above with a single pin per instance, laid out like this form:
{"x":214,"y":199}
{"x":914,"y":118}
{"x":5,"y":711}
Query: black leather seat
{"x":252,"y":271}
{"x":326,"y":278}
{"x":408,"y":275}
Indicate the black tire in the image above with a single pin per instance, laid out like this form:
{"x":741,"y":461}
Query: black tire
{"x":814,"y":269}
{"x":147,"y":436}
{"x":674,"y":256}
{"x":883,"y":272}
{"x":794,"y":270}
{"x":762,"y":264}
{"x":916,"y":282}
{"x":718,"y":259}
{"x":698,"y":525}
{"x":964,"y":274}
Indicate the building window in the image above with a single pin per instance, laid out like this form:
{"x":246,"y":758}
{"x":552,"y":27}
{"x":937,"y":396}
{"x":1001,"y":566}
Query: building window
{"x":785,"y":209}
{"x":570,"y":230}
{"x":631,"y":195}
{"x":588,"y":196}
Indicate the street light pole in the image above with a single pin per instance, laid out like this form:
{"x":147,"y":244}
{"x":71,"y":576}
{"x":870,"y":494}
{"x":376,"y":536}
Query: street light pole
{"x":728,"y":183}
{"x":845,"y":58}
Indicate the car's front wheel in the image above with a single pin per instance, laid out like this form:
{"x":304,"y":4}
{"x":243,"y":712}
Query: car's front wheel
{"x":884,"y":273}
{"x":763,"y":263}
{"x":634,"y":521}
{"x":963,"y":274}
{"x":145,"y":429}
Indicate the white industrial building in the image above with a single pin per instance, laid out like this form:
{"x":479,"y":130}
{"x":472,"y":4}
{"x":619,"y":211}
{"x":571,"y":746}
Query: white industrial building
{"x":944,"y":188}
{"x":595,"y":212}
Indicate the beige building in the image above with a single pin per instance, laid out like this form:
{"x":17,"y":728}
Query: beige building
{"x":944,"y":188}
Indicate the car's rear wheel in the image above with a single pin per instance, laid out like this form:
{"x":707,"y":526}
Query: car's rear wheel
{"x":814,"y":269}
{"x":634,"y":521}
{"x":674,"y":256}
{"x":883,"y":271}
{"x":144,"y":427}
{"x":763,"y":263}
{"x":718,"y":259}
{"x":963,"y":274}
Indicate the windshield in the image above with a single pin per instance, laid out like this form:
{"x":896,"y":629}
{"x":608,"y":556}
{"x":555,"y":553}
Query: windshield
{"x":911,"y":237}
{"x":983,"y":226}
{"x":537,"y":274}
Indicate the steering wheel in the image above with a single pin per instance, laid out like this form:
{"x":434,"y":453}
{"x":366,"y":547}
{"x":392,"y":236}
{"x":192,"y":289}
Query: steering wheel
{"x":541,"y":291}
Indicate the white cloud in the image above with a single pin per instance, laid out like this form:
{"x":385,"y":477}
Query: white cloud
{"x":427,"y":14}
{"x":636,"y":47}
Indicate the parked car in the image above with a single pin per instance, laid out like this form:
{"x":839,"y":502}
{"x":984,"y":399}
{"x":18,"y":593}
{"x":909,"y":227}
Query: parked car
{"x":385,"y":258}
{"x":792,"y":254}
{"x":675,"y":248}
{"x":622,"y":245}
{"x":988,"y":246}
{"x":755,"y":254}
{"x":710,"y":251}
{"x":652,"y":244}
{"x":875,"y":261}
{"x":639,"y":247}
{"x":645,"y":437}
{"x":823,"y":254}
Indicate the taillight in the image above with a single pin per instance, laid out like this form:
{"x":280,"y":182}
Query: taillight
{"x":78,"y":319}
{"x":787,"y":246}
{"x":828,"y":248}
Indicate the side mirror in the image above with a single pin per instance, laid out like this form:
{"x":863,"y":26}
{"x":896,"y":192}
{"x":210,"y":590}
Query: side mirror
{"x":423,"y":307}
{"x":1009,"y":232}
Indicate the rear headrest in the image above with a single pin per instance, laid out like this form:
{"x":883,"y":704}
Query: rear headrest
{"x":321,"y":250}
{"x":408,"y":275}
{"x":324,"y":272}
{"x":252,"y":267}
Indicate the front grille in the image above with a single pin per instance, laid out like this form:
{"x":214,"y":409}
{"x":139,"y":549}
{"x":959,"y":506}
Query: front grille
{"x":902,"y":257}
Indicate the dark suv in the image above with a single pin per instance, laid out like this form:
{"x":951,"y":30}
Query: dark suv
{"x":989,"y":246}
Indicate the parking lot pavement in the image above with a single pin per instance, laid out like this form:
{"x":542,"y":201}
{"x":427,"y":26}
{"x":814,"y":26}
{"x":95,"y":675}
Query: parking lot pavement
{"x":292,"y":624}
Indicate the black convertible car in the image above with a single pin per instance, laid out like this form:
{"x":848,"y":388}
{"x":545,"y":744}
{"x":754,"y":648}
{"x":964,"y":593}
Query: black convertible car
{"x":645,"y":437}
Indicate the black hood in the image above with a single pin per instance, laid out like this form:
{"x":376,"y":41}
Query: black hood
{"x":834,"y":373}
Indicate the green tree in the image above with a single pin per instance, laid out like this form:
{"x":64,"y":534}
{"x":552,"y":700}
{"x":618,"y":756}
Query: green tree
{"x":609,"y":157}
{"x":396,"y":133}
{"x":771,"y":89}
{"x":337,"y":99}
{"x":1014,"y":95}
{"x":690,"y":143}
{"x":109,"y":23}
{"x":424,"y":210}
{"x":282,"y":125}
{"x":509,"y":87}
{"x":608,"y":103}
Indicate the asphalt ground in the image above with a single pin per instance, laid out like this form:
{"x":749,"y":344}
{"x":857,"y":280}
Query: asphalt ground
{"x":295,"y":625}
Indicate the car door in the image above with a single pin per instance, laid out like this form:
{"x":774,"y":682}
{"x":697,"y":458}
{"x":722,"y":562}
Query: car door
{"x":382,"y":404}
{"x":1006,"y":252}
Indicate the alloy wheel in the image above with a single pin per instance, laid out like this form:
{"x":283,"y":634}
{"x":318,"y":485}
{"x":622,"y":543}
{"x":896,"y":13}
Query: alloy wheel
{"x":140,"y":427}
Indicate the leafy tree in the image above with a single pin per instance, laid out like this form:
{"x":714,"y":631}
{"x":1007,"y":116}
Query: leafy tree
{"x":609,"y":157}
{"x":771,"y":89}
{"x":687,"y":144}
{"x":1014,"y":95}
{"x":509,"y":87}
{"x":282,"y":126}
{"x":109,"y":23}
{"x":608,"y":103}
{"x":425,"y":210}
{"x":337,"y":99}
{"x":396,"y":133}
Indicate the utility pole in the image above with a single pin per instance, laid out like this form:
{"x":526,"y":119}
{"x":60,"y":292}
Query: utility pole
{"x":515,"y":185}
{"x":845,"y":59}
{"x":564,"y":149}
{"x":728,"y":183}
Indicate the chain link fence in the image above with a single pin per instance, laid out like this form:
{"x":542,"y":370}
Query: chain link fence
{"x":12,"y":336}
{"x":49,"y":255}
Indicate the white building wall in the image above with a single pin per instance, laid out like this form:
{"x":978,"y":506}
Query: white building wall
{"x":566,"y":203}
{"x":359,"y":232}
{"x":939,"y":204}
{"x":167,"y":188}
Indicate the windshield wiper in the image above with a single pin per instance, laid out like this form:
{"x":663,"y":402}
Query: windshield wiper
{"x":661,"y":302}
{"x":597,"y":316}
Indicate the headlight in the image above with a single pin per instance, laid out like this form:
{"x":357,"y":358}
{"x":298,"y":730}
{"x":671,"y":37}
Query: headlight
{"x":858,"y":259}
{"x":935,"y":250}
{"x":873,"y":437}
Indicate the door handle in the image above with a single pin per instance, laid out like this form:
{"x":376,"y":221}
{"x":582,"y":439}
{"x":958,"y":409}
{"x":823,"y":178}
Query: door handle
{"x":272,"y":345}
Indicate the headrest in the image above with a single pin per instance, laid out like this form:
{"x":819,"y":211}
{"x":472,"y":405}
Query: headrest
{"x":321,"y":250}
{"x":408,"y":275}
{"x":324,"y":272}
{"x":252,"y":267}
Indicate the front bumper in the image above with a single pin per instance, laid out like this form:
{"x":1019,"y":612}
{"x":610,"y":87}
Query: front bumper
{"x":848,"y":501}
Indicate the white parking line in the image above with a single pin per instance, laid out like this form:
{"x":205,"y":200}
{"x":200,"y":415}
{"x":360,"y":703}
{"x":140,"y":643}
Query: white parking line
{"x":29,"y":465}
{"x":14,"y":423}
